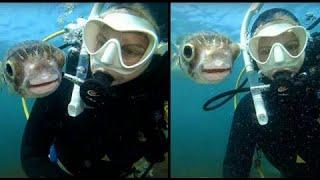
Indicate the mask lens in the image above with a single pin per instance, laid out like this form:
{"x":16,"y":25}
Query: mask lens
{"x":133,"y":47}
{"x":264,"y":49}
{"x":90,"y":35}
{"x":296,"y":41}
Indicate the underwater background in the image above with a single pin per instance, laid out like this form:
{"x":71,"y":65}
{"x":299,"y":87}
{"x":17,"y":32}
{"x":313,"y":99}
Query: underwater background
{"x":19,"y":22}
{"x":199,"y":138}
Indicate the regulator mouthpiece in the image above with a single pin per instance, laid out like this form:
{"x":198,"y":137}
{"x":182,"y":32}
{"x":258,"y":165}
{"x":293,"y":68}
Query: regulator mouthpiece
{"x":96,"y":90}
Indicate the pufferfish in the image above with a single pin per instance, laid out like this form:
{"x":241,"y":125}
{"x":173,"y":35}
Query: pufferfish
{"x":206,"y":57}
{"x":33,"y":68}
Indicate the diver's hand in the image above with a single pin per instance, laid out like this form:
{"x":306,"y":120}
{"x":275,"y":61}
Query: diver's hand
{"x":140,"y":168}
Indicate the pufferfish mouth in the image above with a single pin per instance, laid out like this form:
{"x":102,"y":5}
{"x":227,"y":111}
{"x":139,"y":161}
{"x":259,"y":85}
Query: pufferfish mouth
{"x":213,"y":74}
{"x":215,"y":70}
{"x":43,"y":87}
{"x":42,"y":84}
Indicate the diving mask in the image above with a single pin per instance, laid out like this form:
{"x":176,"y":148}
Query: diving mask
{"x":108,"y":41}
{"x":279,"y":47}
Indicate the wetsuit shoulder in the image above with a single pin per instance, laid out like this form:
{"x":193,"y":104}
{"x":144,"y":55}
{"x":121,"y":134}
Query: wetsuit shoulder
{"x":242,"y":140}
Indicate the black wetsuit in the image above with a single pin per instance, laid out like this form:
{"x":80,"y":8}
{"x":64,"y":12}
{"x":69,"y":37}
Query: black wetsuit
{"x":82,"y":141}
{"x":293,"y":130}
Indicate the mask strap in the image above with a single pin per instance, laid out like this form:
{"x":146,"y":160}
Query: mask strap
{"x":162,"y":48}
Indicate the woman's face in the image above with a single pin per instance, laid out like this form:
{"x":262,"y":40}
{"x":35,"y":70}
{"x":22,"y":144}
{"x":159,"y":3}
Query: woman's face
{"x":133,"y":44}
{"x":288,"y":39}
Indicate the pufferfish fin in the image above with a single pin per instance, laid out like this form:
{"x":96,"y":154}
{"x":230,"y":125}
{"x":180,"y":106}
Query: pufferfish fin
{"x":175,"y":62}
{"x":176,"y":66}
{"x":174,"y":55}
{"x":174,"y":47}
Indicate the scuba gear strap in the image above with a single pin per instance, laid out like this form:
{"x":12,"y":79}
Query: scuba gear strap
{"x":314,"y":24}
{"x":230,"y":95}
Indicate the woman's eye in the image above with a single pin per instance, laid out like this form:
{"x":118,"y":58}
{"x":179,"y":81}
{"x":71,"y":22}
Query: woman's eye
{"x":264,"y":50}
{"x":100,"y":41}
{"x":293,"y":46}
{"x":133,"y":50}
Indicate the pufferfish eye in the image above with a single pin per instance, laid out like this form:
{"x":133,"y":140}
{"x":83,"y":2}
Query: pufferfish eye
{"x":188,"y":52}
{"x":9,"y":69}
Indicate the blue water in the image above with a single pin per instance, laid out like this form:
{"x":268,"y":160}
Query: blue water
{"x":199,"y":138}
{"x":19,"y":22}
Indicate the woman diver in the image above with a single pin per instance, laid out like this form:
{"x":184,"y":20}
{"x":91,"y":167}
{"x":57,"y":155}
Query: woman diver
{"x":288,"y":60}
{"x":123,"y":125}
